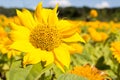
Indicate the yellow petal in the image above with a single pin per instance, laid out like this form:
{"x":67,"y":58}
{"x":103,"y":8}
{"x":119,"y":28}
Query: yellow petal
{"x":75,"y":38}
{"x":42,"y":14}
{"x":45,"y":14}
{"x":32,"y":57}
{"x":9,"y":54}
{"x":62,"y":56}
{"x":53,"y":19}
{"x":77,"y":48}
{"x":70,"y":48}
{"x":63,"y":25}
{"x":38,"y":12}
{"x":60,"y":66}
{"x":26,"y":19}
{"x":19,"y":32}
{"x":15,"y":26}
{"x":30,"y":17}
{"x":48,"y":57}
{"x":23,"y":46}
{"x":69,"y":32}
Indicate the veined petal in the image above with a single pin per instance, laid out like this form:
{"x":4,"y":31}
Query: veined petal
{"x":62,"y":56}
{"x":26,"y":19}
{"x":33,"y":57}
{"x":23,"y":46}
{"x":48,"y":57}
{"x":75,"y":38}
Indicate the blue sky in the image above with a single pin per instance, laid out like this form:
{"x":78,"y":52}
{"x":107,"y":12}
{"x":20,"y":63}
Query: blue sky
{"x":46,"y":3}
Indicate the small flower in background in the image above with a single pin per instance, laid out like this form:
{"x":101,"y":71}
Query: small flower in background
{"x":93,"y":13}
{"x":43,"y":37}
{"x":5,"y":43}
{"x":90,"y":72}
{"x":4,"y":20}
{"x":103,"y":35}
{"x":86,"y":37}
{"x":94,"y":34}
{"x":77,"y":48}
{"x":97,"y":36}
{"x":16,"y":20}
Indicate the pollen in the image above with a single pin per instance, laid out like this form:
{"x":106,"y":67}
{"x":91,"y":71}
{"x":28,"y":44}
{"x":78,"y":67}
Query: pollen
{"x":45,"y":37}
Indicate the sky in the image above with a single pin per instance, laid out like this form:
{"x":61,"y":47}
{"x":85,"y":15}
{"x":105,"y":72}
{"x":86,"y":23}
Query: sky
{"x":31,"y":4}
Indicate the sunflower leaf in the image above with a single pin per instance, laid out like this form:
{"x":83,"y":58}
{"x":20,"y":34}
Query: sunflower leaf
{"x":31,"y":72}
{"x":71,"y":77}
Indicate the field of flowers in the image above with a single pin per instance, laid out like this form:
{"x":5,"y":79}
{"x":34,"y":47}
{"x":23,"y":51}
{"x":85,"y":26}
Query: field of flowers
{"x":40,"y":46}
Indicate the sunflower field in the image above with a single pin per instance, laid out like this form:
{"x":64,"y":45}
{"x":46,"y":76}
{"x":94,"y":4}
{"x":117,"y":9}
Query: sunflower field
{"x":38,"y":45}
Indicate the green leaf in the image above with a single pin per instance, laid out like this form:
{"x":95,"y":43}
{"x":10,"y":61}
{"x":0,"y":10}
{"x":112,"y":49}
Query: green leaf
{"x":101,"y":65}
{"x":31,"y":72}
{"x":71,"y":77}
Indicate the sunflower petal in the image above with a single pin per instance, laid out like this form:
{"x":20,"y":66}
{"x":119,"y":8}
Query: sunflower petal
{"x":38,"y":12}
{"x":63,"y":25}
{"x":23,"y":46}
{"x":26,"y":19}
{"x":75,"y":38}
{"x":62,"y":56}
{"x":32,"y":57}
{"x":53,"y":19}
{"x":42,"y":14}
{"x":70,"y":48}
{"x":30,"y":17}
{"x":60,"y":66}
{"x":48,"y":57}
{"x":19,"y":32}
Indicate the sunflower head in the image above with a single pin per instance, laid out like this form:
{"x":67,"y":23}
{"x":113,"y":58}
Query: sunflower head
{"x":90,"y":72}
{"x":115,"y":48}
{"x":93,"y":13}
{"x":45,"y":37}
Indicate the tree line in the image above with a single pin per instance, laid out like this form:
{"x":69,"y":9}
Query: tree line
{"x":106,"y":14}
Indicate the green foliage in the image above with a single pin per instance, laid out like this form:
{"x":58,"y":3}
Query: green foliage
{"x":71,"y":77}
{"x":31,"y":72}
{"x":101,"y":65}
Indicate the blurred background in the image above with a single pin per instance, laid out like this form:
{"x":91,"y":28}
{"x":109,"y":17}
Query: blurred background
{"x":71,"y":9}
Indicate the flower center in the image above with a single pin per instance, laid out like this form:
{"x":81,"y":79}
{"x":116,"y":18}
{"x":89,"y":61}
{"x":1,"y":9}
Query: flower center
{"x":45,"y":37}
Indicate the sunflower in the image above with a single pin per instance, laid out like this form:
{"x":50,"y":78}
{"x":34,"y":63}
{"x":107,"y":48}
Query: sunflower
{"x":93,"y":13}
{"x":115,"y":48}
{"x":5,"y":43}
{"x":90,"y":72}
{"x":43,"y":37}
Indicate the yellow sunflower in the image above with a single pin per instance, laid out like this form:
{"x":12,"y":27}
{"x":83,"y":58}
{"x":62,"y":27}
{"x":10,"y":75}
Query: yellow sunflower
{"x":115,"y":48}
{"x":43,"y":37}
{"x":5,"y":43}
{"x":90,"y":72}
{"x":93,"y":13}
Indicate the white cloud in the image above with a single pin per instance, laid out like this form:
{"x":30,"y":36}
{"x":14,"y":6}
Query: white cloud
{"x":104,"y":4}
{"x":62,"y":3}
